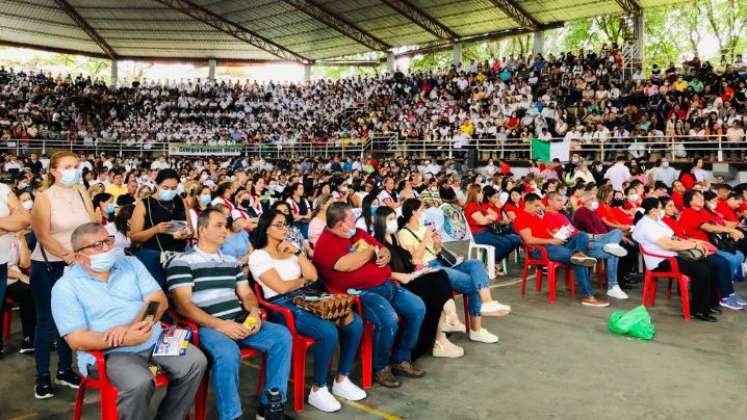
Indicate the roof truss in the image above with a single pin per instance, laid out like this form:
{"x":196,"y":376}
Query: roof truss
{"x":88,"y":29}
{"x":237,"y":31}
{"x":630,"y":6}
{"x":338,"y":23}
{"x":422,"y":19}
{"x":519,"y":15}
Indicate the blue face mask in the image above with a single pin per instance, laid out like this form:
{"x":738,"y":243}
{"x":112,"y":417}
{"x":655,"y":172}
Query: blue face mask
{"x":70,"y":177}
{"x":351,"y":232}
{"x":205,"y":200}
{"x":103,"y":262}
{"x":373,"y":210}
{"x":110,"y":208}
{"x":166,"y":195}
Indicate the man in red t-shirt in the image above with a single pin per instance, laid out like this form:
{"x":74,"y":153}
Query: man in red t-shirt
{"x":727,"y":202}
{"x":349,"y":258}
{"x":678,"y":193}
{"x":534,"y":230}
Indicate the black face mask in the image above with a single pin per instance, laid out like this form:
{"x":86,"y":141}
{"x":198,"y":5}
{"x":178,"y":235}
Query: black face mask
{"x":229,"y":222}
{"x":245,"y":203}
{"x":617,"y":202}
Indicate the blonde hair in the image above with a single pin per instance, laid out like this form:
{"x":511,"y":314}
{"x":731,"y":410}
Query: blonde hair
{"x":319,"y":203}
{"x":54,"y":161}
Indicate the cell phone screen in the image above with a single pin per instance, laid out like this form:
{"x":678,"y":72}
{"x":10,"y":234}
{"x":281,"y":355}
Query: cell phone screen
{"x":151,"y":310}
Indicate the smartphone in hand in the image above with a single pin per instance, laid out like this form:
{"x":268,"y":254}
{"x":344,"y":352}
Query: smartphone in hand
{"x":150,"y":311}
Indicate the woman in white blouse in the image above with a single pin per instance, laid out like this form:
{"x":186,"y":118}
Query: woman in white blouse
{"x":656,"y":238}
{"x":284,"y":271}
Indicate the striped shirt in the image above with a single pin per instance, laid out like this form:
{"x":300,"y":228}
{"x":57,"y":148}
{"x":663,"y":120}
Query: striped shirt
{"x":213,"y":279}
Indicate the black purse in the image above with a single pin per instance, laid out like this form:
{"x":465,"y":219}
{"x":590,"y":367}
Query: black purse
{"x":723,"y":242}
{"x":449,"y":258}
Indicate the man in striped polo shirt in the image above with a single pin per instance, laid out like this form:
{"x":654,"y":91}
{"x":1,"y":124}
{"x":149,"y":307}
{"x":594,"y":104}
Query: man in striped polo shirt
{"x":210,"y":289}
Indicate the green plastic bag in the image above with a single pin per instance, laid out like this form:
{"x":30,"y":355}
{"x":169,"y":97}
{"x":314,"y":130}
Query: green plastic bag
{"x":634,"y":323}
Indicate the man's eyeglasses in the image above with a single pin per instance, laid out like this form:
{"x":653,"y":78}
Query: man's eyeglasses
{"x":99,"y":245}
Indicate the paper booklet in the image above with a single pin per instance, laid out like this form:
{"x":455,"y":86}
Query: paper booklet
{"x":173,"y":342}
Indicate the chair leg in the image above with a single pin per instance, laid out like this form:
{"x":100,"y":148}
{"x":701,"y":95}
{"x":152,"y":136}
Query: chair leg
{"x":201,"y":397}
{"x":669,"y":289}
{"x":366,"y":353}
{"x":467,"y":318}
{"x":646,"y":287}
{"x":109,"y":404}
{"x":652,"y":291}
{"x":299,"y":376}
{"x":7,"y":314}
{"x":524,"y":274}
{"x":538,"y":283}
{"x":685,"y":296}
{"x":79,"y":397}
{"x":551,"y":286}
{"x":570,"y":281}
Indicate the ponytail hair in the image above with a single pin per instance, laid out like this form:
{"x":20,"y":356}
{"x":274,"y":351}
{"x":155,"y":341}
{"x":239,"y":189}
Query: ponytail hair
{"x":54,"y":161}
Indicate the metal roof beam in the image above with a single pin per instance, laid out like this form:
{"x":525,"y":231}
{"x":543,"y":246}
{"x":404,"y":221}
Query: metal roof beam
{"x":338,"y":23}
{"x":630,"y":6}
{"x":88,"y":29}
{"x":422,"y":19}
{"x":237,"y":31}
{"x":519,"y":15}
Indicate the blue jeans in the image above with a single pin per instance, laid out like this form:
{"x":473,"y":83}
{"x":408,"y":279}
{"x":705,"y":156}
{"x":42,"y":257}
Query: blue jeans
{"x":381,"y":305}
{"x":325,"y":336}
{"x":43,"y":277}
{"x":597,"y":251}
{"x":722,"y":272}
{"x":273,"y":340}
{"x":467,"y":278}
{"x":563,"y":253}
{"x":735,"y":261}
{"x":151,"y":259}
{"x":503,"y":244}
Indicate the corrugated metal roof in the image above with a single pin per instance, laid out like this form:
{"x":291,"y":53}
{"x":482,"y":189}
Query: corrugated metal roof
{"x":266,"y":29}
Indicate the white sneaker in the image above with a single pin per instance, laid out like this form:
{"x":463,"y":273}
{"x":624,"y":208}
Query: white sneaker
{"x":483,"y":336}
{"x":348,"y":390}
{"x":324,"y":401}
{"x":448,"y":350}
{"x":615,"y":249}
{"x":617,"y":293}
{"x":494,"y":306}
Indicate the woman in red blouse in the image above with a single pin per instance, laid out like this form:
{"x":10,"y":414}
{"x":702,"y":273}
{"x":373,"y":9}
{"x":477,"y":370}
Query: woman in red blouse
{"x":613,"y":217}
{"x":514,"y":204}
{"x":479,"y":217}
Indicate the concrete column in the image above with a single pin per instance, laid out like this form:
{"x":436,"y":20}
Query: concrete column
{"x":639,"y":35}
{"x":457,"y":52}
{"x":391,"y":65}
{"x":306,"y":72}
{"x":114,"y":74}
{"x":538,"y":46}
{"x":211,"y":69}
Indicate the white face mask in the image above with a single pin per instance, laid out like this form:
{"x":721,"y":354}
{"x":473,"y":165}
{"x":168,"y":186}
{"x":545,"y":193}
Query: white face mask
{"x":27,"y":204}
{"x":391,"y":227}
{"x":594,"y":205}
{"x":711,"y":206}
{"x":633,"y":197}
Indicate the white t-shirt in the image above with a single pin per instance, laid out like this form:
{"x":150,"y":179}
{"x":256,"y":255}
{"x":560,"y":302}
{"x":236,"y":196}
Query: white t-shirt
{"x":646,"y":232}
{"x":120,"y":241}
{"x":260,"y":261}
{"x":6,"y":241}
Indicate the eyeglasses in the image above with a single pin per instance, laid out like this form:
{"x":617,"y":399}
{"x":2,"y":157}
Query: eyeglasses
{"x":99,"y":245}
{"x":280,"y":225}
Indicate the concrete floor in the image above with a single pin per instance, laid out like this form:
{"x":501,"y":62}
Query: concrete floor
{"x":553,"y":362}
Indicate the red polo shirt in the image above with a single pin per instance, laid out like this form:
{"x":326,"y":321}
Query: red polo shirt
{"x":673,"y":224}
{"x":679,"y":200}
{"x":469,"y":211}
{"x":330,"y":248}
{"x":537,"y":225}
{"x":726,"y":212}
{"x":691,"y":220}
{"x":555,"y":220}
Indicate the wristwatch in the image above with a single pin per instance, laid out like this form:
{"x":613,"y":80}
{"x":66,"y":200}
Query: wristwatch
{"x":298,"y":252}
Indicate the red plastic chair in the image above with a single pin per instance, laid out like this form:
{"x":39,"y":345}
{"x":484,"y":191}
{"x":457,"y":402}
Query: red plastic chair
{"x":202,"y":391}
{"x":301,"y":345}
{"x":467,"y":318}
{"x":600,"y":269}
{"x":108,"y":400}
{"x":544,"y":262}
{"x":7,"y":317}
{"x":649,"y":283}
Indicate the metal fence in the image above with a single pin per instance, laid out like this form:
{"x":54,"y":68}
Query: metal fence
{"x":712,"y":148}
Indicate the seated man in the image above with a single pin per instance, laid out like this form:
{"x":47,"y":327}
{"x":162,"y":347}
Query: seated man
{"x":349,"y":258}
{"x":210,"y":289}
{"x":534,"y":230}
{"x":98,"y":305}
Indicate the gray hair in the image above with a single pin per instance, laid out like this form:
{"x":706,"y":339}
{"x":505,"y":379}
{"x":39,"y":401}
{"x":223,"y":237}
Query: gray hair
{"x":204,"y":217}
{"x":337,"y":212}
{"x":90,"y":228}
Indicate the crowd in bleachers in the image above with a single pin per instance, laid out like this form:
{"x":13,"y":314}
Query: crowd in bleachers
{"x":581,"y":96}
{"x":215,"y":241}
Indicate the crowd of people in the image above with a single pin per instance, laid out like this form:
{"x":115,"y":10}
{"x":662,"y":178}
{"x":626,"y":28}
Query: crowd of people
{"x":583,"y":97}
{"x":100,"y":239}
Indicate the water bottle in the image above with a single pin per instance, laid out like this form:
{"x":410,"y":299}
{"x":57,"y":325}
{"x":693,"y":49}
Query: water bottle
{"x":274,"y":409}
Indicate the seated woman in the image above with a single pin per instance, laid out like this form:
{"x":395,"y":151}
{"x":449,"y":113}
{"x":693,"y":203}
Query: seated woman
{"x":283,"y":271}
{"x":319,"y":217}
{"x":295,"y":237}
{"x":19,"y":290}
{"x":481,"y":211}
{"x":120,"y":230}
{"x":719,"y":265}
{"x":433,"y":287}
{"x":468,"y":277}
{"x":657,"y":238}
{"x":104,"y":206}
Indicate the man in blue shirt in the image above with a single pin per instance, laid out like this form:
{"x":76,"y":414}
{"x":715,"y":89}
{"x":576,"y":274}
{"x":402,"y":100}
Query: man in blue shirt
{"x":98,"y":305}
